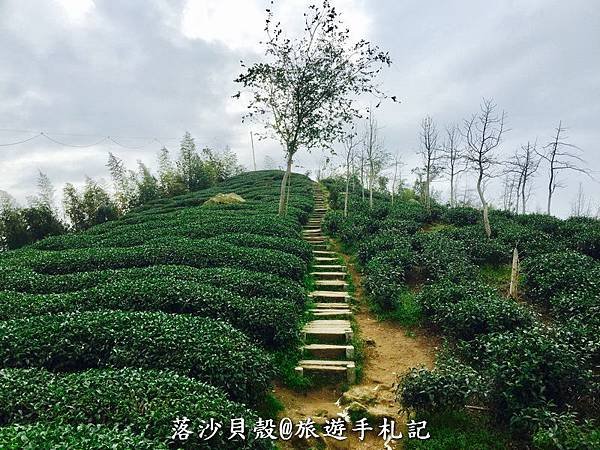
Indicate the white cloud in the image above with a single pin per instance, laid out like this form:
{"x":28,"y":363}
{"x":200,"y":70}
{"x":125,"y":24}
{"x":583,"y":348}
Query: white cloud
{"x":239,"y":24}
{"x":76,"y":11}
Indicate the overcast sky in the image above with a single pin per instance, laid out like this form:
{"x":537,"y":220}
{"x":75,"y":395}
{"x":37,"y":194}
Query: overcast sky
{"x":144,"y":71}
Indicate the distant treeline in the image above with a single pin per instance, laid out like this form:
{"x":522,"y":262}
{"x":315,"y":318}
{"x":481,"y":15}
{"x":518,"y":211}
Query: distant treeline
{"x":93,"y":204}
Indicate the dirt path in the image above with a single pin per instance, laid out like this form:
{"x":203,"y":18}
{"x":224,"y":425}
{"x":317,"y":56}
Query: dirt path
{"x":388,"y":351}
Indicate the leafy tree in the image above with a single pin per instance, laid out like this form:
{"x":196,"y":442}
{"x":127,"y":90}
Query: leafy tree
{"x":93,"y":206}
{"x":124,"y":182}
{"x":147,"y":185}
{"x":190,"y":167}
{"x":170,"y":182}
{"x":221,"y":165}
{"x":307,"y":88}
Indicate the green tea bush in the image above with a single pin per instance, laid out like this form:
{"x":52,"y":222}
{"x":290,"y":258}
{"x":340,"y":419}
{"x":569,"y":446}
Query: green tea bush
{"x":384,"y":276}
{"x":557,"y":431}
{"x":242,"y":281}
{"x":582,"y":234}
{"x":401,"y":226}
{"x":470,"y":309}
{"x":274,"y":322}
{"x":461,"y":216}
{"x":88,"y":436}
{"x":198,"y":347}
{"x":533,"y":366}
{"x":409,"y":210}
{"x":560,"y":272}
{"x":332,"y":222}
{"x":145,"y":401}
{"x":542,"y":222}
{"x":297,"y":247}
{"x":479,"y":248}
{"x":383,"y":241}
{"x":206,"y":253}
{"x":442,"y":258}
{"x":450,"y":386}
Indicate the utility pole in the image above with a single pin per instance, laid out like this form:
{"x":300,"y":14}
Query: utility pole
{"x":253,"y":155}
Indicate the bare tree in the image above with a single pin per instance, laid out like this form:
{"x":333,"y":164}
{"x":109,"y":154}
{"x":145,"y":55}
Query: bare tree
{"x":483,"y":134}
{"x":511,"y":191}
{"x":306,"y":90}
{"x":581,"y":206}
{"x":375,"y":154}
{"x":350,"y":142}
{"x":429,"y":155}
{"x":524,"y":164}
{"x":453,"y":158}
{"x":561,"y":156}
{"x":397,"y":178}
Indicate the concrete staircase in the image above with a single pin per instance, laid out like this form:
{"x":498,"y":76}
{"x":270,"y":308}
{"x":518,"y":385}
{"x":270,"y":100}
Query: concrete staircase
{"x":328,"y":337}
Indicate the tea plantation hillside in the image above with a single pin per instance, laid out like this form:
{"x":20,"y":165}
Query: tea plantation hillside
{"x":513,"y":372}
{"x":177,"y":309}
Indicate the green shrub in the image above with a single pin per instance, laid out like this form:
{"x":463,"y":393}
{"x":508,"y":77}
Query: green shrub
{"x":582,"y":234}
{"x":380,"y":242}
{"x":274,"y":322}
{"x":146,"y":401}
{"x":207,"y":253}
{"x":465,"y":311}
{"x":450,"y":386}
{"x":562,"y":432}
{"x":442,"y":258}
{"x":198,"y":347}
{"x":88,"y":436}
{"x":479,"y":248}
{"x":560,"y":272}
{"x":533,"y":366}
{"x":461,"y":216}
{"x":542,"y":222}
{"x":241,"y":281}
{"x":297,"y":247}
{"x":384,"y":276}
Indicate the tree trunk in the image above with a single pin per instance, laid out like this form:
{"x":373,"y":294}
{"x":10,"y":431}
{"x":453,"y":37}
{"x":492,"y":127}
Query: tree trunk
{"x":452,"y":189}
{"x":347,"y":191}
{"x":486,"y":219}
{"x":550,"y":190}
{"x":284,"y":181}
{"x":514,"y":275}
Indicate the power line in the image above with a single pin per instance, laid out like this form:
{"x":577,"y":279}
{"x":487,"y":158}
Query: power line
{"x":74,"y":145}
{"x":21,"y":142}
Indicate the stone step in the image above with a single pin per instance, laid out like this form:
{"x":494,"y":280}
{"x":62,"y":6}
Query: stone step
{"x":332,"y":305}
{"x":349,"y":369}
{"x":337,"y":295}
{"x":336,"y":283}
{"x":319,"y":313}
{"x":323,"y":259}
{"x":326,"y":267}
{"x":326,"y":351}
{"x":311,"y":230}
{"x":329,"y":274}
{"x":329,"y":326}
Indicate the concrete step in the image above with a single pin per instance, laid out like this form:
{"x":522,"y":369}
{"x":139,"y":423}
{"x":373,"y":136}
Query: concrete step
{"x":320,"y":313}
{"x":324,"y":252}
{"x":332,"y":305}
{"x":335,"y":275}
{"x":330,"y":295}
{"x":329,"y":351}
{"x":330,"y":283}
{"x":325,"y":259}
{"x":311,"y":230}
{"x":321,"y":366}
{"x":329,"y":267}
